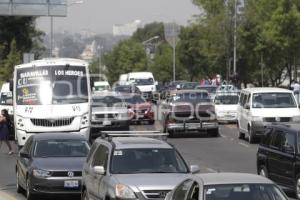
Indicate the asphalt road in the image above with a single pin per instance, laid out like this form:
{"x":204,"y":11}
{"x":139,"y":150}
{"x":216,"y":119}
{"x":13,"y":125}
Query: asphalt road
{"x":225,"y":154}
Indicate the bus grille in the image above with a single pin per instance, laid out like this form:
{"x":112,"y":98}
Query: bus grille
{"x":52,"y":122}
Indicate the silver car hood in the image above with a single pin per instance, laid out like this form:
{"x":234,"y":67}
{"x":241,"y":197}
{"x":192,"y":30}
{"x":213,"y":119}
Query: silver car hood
{"x":108,"y":110}
{"x":140,"y":182}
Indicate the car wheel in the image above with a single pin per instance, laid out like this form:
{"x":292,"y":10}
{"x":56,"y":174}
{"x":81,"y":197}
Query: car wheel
{"x":241,"y":135}
{"x":297,"y":190}
{"x":151,"y":122}
{"x":250,"y":136}
{"x":19,"y":188}
{"x":213,"y":133}
{"x":29,"y":195}
{"x":263,"y":171}
{"x":85,"y":195}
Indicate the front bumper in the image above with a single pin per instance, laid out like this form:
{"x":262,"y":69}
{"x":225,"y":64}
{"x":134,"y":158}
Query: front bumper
{"x":54,"y":185}
{"x":22,"y":135}
{"x":228,"y":118}
{"x":187,"y":127}
{"x":98,"y":126}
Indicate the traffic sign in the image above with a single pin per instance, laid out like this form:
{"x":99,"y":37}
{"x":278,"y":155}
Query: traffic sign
{"x":55,"y":8}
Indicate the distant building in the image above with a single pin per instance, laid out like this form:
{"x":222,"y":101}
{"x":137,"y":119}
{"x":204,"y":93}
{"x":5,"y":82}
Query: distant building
{"x":89,"y":52}
{"x":126,"y":29}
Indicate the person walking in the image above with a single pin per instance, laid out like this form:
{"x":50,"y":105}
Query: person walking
{"x":4,"y":130}
{"x":297,"y":90}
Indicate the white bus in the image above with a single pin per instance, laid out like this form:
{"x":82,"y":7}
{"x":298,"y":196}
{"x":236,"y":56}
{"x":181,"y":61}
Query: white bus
{"x":51,"y":95}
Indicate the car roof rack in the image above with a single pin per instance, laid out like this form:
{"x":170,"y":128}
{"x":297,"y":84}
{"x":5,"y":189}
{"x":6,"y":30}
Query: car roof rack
{"x":110,"y":134}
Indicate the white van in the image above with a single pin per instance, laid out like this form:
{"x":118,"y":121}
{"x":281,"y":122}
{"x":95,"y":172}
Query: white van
{"x":6,"y":99}
{"x":143,"y":80}
{"x":101,"y":86}
{"x":123,"y":79}
{"x":259,"y":107}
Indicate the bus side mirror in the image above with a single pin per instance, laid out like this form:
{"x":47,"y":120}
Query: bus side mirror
{"x":11,"y":86}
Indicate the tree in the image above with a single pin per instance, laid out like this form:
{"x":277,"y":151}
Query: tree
{"x":13,"y":58}
{"x":162,"y":66}
{"x":127,"y":56}
{"x":150,"y":30}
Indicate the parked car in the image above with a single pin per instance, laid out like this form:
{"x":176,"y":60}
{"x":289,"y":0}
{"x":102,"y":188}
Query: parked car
{"x":278,"y":156}
{"x":109,"y":112}
{"x":187,"y":111}
{"x":101,"y":86}
{"x":126,"y":89}
{"x":226,"y":107}
{"x":259,"y":107}
{"x":211,"y":89}
{"x":140,"y":110}
{"x":189,"y":85}
{"x":226,"y":186}
{"x":51,"y":163}
{"x":132,"y":168}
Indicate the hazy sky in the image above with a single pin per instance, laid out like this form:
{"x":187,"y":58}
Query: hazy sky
{"x":100,"y":15}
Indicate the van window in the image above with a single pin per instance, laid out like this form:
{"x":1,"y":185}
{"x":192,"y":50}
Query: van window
{"x":241,"y":99}
{"x":277,"y":139}
{"x":273,"y":100}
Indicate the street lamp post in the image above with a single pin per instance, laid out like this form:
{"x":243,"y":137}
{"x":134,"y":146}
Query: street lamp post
{"x":145,"y":45}
{"x":51,"y":24}
{"x":99,"y":48}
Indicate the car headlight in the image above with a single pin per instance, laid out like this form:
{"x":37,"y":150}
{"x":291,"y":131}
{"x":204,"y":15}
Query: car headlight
{"x":93,"y":117}
{"x":84,"y":120}
{"x":296,"y":118}
{"x":20,"y":123}
{"x":41,"y":173}
{"x":123,"y":116}
{"x":124,"y":192}
{"x":257,"y":118}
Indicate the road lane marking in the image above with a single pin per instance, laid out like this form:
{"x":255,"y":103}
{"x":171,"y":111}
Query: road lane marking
{"x":243,"y":144}
{"x":6,"y":196}
{"x":211,"y":170}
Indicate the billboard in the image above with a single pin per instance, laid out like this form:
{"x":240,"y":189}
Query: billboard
{"x":55,"y":8}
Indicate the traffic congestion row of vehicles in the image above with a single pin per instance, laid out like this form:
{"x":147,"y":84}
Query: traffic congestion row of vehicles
{"x":56,"y":114}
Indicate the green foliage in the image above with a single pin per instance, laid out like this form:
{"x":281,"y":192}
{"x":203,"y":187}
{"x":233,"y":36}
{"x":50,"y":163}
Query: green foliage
{"x":17,"y":36}
{"x":150,"y":30}
{"x":162,"y":66}
{"x":13,"y":58}
{"x":127,"y":56}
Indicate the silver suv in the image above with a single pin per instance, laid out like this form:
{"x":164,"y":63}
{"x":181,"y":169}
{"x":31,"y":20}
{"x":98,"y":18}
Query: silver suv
{"x":132,"y":167}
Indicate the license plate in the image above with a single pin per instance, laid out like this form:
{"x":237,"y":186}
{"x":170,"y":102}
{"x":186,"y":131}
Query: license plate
{"x":106,"y":123}
{"x":71,"y":184}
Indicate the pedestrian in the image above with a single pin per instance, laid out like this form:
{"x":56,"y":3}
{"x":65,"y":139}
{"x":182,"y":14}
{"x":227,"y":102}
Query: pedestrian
{"x":297,"y":90}
{"x":4,"y":130}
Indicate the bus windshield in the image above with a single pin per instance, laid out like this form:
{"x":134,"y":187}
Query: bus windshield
{"x":51,"y":85}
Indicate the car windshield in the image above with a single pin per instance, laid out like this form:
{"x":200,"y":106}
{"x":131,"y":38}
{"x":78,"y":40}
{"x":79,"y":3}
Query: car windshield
{"x":51,"y":85}
{"x":61,"y":148}
{"x":194,"y":97}
{"x":107,"y":101}
{"x":227,"y":99}
{"x":211,"y":90}
{"x":136,"y":99}
{"x":101,"y":87}
{"x":243,"y":192}
{"x":189,"y":86}
{"x":148,"y":81}
{"x":132,"y":161}
{"x":273,"y":100}
{"x":6,"y":98}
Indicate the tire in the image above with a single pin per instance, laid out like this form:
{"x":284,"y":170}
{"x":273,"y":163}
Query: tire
{"x":214,"y":133}
{"x":19,"y":188}
{"x":151,"y":122}
{"x":85,"y":195}
{"x":29,"y":195}
{"x":250,"y":136}
{"x":297,"y":187}
{"x":262,"y":171}
{"x":241,"y":135}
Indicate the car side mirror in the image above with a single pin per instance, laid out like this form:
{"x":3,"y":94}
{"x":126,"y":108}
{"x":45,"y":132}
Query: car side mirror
{"x":25,"y":155}
{"x":99,"y":170}
{"x":194,"y":169}
{"x":289,"y":149}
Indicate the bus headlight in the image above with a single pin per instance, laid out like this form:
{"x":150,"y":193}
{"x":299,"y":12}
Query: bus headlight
{"x":84,"y":121}
{"x":20,"y":123}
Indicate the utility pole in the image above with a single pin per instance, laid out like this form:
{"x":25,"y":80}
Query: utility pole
{"x":51,"y":36}
{"x":235,"y":36}
{"x":174,"y":53}
{"x":262,"y":69}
